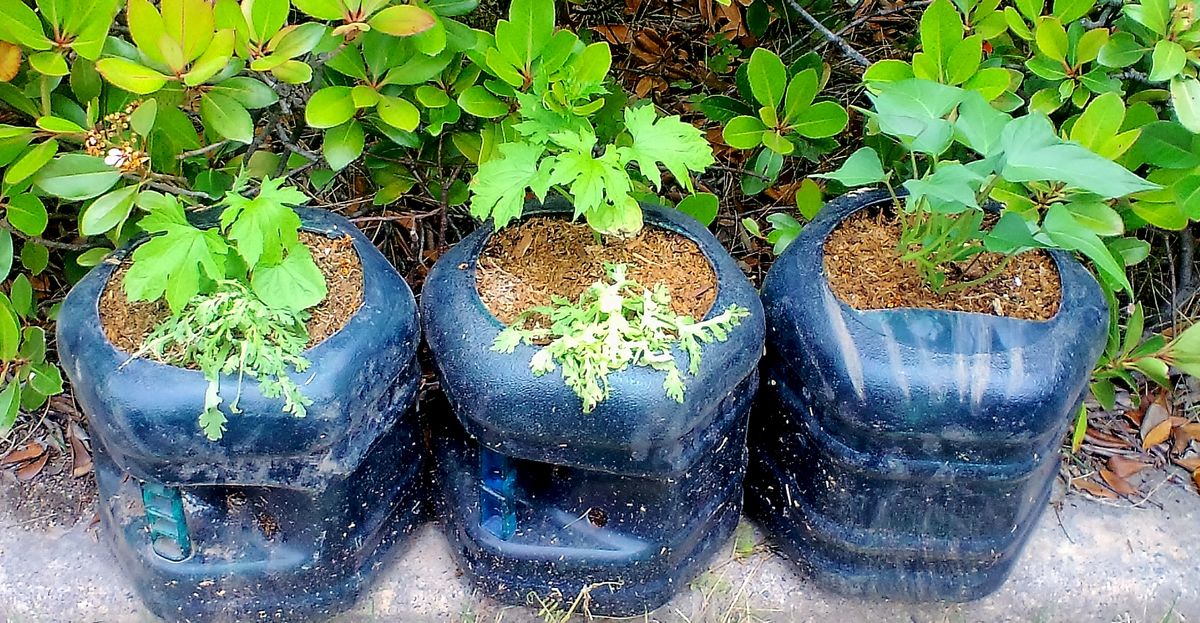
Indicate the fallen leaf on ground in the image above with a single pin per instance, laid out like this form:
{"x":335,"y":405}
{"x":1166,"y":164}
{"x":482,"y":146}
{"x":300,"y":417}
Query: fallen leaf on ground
{"x":1191,"y":463}
{"x":1118,"y":484}
{"x":30,"y":470}
{"x":1156,"y":435}
{"x":1093,"y":487}
{"x":1155,"y":426}
{"x":1124,"y":467}
{"x":29,"y":451}
{"x":81,"y":459}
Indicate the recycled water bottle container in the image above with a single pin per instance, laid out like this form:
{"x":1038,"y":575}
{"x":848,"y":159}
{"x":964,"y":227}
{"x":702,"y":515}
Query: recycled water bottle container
{"x":627,"y":503}
{"x":908,"y":453}
{"x":284,"y":518}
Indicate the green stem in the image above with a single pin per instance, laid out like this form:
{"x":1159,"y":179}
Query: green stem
{"x":991,"y":274}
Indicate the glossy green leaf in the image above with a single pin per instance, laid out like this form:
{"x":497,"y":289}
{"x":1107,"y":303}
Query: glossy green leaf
{"x":700,"y":206}
{"x":399,"y":113}
{"x":744,"y":132}
{"x":27,"y":214}
{"x":225,"y":116}
{"x":108,"y":211}
{"x":1185,"y":99}
{"x":31,"y":162}
{"x":76,"y":177}
{"x":20,"y":25}
{"x":768,"y":77}
{"x":330,"y":107}
{"x":131,"y":76}
{"x":343,"y":144}
{"x":1167,"y":60}
{"x":403,"y":20}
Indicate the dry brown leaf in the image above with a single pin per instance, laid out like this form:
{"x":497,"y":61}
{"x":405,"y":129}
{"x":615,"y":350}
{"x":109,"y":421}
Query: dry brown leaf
{"x":615,"y":33}
{"x":1154,"y":415}
{"x":1191,"y":463}
{"x":1160,"y":433}
{"x":1118,"y":484}
{"x":1102,"y":438}
{"x":81,"y":459}
{"x":1190,"y":430}
{"x":1124,"y":467}
{"x":31,"y":469}
{"x":1196,"y":477}
{"x":10,"y":61}
{"x":29,"y":451}
{"x":643,"y":86}
{"x":1093,"y":488}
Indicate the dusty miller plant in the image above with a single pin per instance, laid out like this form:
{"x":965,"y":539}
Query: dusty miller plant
{"x":616,"y":323}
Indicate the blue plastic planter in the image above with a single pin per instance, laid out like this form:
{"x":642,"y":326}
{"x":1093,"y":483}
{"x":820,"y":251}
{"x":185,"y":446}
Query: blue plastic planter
{"x":541,"y":497}
{"x":908,"y":453}
{"x":283,"y":515}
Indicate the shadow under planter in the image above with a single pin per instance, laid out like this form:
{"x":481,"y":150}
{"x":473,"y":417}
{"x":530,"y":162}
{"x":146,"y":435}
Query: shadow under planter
{"x":284,"y":516}
{"x":908,"y":453}
{"x":631,"y":499}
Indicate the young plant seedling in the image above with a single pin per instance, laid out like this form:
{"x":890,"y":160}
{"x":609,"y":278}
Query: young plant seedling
{"x":237,"y":293}
{"x":963,"y":153}
{"x":616,"y":323}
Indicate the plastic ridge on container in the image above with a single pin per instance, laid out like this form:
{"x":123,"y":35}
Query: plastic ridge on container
{"x":907,"y":453}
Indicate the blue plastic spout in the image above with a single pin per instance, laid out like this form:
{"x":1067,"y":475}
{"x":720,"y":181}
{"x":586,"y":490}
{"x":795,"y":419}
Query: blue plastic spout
{"x":497,"y":496}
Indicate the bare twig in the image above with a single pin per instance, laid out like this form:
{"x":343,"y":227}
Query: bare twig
{"x":202,"y":151}
{"x":884,"y":13}
{"x":829,"y":35}
{"x":50,"y":244}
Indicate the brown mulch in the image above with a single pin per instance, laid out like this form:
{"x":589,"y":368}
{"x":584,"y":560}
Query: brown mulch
{"x":127,"y":324}
{"x":863,"y":271}
{"x":522,"y":266}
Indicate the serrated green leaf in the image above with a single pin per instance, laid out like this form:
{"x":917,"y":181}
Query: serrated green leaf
{"x":498,"y":188}
{"x":676,"y":145}
{"x":295,"y":283}
{"x":262,"y":228}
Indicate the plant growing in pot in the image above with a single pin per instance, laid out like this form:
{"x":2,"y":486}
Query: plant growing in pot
{"x":928,"y":347}
{"x":600,"y":373}
{"x":284,"y":337}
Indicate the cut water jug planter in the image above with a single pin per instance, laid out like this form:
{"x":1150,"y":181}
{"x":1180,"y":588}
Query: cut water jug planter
{"x":630,"y":499}
{"x":908,"y":453}
{"x":284,"y":517}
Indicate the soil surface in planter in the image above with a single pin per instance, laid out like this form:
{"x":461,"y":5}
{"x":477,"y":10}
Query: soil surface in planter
{"x":127,"y":324}
{"x":863,"y":271}
{"x":522,"y":266}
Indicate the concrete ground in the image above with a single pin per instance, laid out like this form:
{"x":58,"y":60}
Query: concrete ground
{"x":1087,"y":561}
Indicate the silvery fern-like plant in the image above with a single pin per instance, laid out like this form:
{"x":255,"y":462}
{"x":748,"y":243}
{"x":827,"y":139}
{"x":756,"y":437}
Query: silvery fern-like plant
{"x":616,"y":323}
